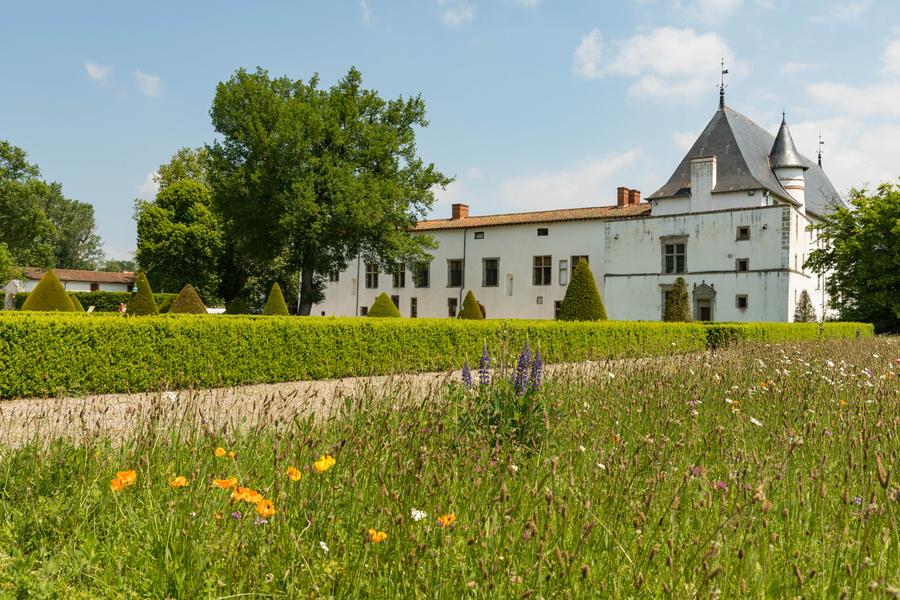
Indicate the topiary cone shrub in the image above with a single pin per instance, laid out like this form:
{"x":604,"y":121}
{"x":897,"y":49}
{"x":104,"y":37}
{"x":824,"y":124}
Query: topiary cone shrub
{"x":166,"y":305}
{"x":383,"y":307}
{"x":275,"y":304}
{"x":805,"y":312}
{"x":188,"y":302}
{"x":678,"y":308}
{"x":49,"y":295}
{"x":471,"y":309}
{"x":142,"y":302}
{"x":237,"y":307}
{"x":582,"y":301}
{"x":76,"y":303}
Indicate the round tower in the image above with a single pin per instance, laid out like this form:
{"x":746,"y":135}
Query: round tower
{"x":788,"y":166}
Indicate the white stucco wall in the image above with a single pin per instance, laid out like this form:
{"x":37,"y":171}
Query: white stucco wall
{"x":80,"y":286}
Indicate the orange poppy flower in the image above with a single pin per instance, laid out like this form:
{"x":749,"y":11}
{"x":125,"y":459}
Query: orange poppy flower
{"x":246,"y":494}
{"x":127,"y":477}
{"x":179,"y":482}
{"x":325,"y":462}
{"x":446,"y":520}
{"x":116,"y":484}
{"x":265,"y":508}
{"x":376,"y":537}
{"x":225,"y":484}
{"x":220,"y":452}
{"x":293,"y":473}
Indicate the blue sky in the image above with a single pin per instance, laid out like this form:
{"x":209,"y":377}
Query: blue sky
{"x":533,"y":103}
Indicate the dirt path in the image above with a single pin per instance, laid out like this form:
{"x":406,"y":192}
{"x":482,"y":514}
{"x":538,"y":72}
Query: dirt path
{"x":118,"y":415}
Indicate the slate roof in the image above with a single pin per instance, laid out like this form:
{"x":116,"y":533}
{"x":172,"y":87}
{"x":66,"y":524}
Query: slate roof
{"x":784,"y":152}
{"x":126,"y":277}
{"x":742,"y":151}
{"x":542,"y":216}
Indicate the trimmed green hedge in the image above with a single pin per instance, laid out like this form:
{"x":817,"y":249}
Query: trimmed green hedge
{"x":52,"y":354}
{"x":101,"y":301}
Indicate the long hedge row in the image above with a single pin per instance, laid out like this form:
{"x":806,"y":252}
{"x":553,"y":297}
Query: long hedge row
{"x":101,"y":301}
{"x":53,"y":354}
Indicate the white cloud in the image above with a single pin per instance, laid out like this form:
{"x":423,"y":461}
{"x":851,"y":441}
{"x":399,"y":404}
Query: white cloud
{"x":96,"y":71}
{"x":878,"y":99}
{"x":148,"y":188}
{"x":365,"y":12}
{"x":455,"y":13}
{"x":795,"y":68}
{"x":891,"y":58}
{"x":685,"y":139}
{"x":713,"y":11}
{"x":669,"y":64}
{"x":525,"y":3}
{"x":587,"y":183}
{"x":150,"y":85}
{"x":845,"y":11}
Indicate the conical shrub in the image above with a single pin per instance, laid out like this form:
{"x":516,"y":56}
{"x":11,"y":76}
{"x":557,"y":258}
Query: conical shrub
{"x":237,"y":307}
{"x":275,"y":304}
{"x":678,"y":308}
{"x":383,"y":307}
{"x":49,"y":295}
{"x":142,"y":302}
{"x":166,"y":305}
{"x":471,"y":309}
{"x":76,"y":303}
{"x":188,"y":302}
{"x":582,"y":301}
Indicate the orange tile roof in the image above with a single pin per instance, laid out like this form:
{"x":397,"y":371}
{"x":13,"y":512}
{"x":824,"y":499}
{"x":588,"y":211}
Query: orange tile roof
{"x":126,"y":277}
{"x":543,"y":216}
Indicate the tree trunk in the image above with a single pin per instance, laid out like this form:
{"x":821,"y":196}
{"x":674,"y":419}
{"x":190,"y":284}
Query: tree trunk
{"x":306,"y":291}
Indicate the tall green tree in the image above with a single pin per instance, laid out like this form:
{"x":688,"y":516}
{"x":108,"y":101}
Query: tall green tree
{"x":186,"y":163}
{"x":860,"y":256}
{"x":8,"y":268}
{"x":678,"y":304}
{"x":76,"y":244}
{"x":180,"y":238}
{"x":116,"y":266}
{"x":315,"y":176}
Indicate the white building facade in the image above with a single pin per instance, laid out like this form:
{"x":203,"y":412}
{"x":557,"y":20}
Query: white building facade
{"x":733,"y":220}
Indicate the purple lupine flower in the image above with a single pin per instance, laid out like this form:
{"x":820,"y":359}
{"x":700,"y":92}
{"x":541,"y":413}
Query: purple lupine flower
{"x":236,"y":515}
{"x":484,"y":367}
{"x":467,"y":375}
{"x":537,"y":367}
{"x":521,"y":377}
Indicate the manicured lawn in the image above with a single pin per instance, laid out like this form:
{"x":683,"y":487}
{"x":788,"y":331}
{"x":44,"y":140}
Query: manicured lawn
{"x":769,"y":471}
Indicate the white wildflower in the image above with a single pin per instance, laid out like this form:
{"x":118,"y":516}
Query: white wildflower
{"x":324,"y":547}
{"x":418,"y":515}
{"x":513,"y":468}
{"x":582,"y":448}
{"x":830,"y":363}
{"x":601,"y":466}
{"x":756,"y":422}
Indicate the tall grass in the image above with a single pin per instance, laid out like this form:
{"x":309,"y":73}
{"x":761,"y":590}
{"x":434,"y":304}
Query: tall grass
{"x":728,"y":474}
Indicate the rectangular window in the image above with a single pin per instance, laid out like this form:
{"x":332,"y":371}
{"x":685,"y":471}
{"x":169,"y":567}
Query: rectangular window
{"x":334,"y":276}
{"x":396,"y":301}
{"x":743,"y":233}
{"x":490,"y":272}
{"x":742,"y":264}
{"x":674,"y":257}
{"x":556,"y":306}
{"x":455,"y":273}
{"x":577,"y":258}
{"x":543,"y":270}
{"x":400,"y":275}
{"x":371,"y":275}
{"x":95,"y":287}
{"x":413,"y":307}
{"x":542,"y":231}
{"x":452,"y":304}
{"x":479,"y":235}
{"x":740,"y":301}
{"x":563,"y":272}
{"x":363,"y":311}
{"x":422,"y":275}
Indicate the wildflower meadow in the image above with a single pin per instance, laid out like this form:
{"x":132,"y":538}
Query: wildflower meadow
{"x":763,"y":471}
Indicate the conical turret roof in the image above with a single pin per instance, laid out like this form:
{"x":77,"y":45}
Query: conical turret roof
{"x":784,"y":152}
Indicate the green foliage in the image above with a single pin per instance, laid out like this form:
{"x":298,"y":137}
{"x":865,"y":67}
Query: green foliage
{"x":180,"y":238}
{"x":470,"y":308}
{"x":8,"y":268}
{"x":142,"y":303}
{"x":166,"y":304}
{"x":582,"y":301}
{"x":384,"y":307}
{"x":49,"y":295}
{"x":312,"y":176}
{"x":804,"y":312}
{"x":76,"y":304}
{"x":237,"y":307}
{"x":118,"y":266}
{"x":275,"y":304}
{"x":101,"y":301}
{"x":188,"y":302}
{"x":861,"y":255}
{"x":53,"y":354}
{"x":75,"y":242}
{"x":678,"y":307}
{"x":186,"y":163}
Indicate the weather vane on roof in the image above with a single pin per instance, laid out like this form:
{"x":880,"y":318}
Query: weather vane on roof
{"x":722,"y":85}
{"x":821,"y":143}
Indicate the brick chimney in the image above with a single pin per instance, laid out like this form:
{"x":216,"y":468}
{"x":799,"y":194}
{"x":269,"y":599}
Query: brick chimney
{"x":634,"y":196}
{"x":622,"y":196}
{"x":460,"y":211}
